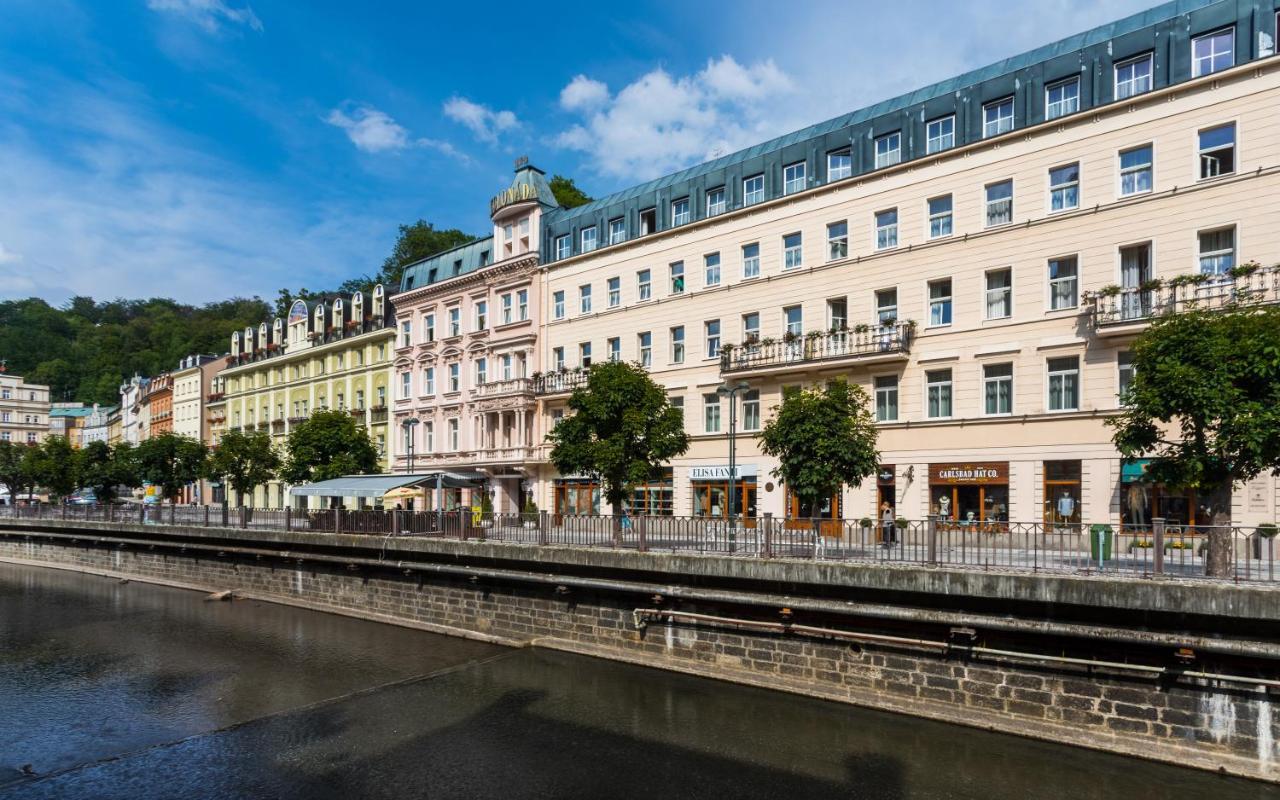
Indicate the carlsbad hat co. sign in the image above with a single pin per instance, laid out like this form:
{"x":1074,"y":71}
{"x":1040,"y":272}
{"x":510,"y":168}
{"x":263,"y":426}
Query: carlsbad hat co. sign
{"x":981,"y":472}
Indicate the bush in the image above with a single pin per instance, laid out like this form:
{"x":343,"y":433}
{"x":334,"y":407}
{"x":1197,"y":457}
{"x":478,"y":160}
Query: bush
{"x":1267,"y":530}
{"x":865,"y":522}
{"x":902,"y":523}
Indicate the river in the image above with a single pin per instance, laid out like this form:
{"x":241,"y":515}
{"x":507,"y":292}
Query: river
{"x":129,"y":690}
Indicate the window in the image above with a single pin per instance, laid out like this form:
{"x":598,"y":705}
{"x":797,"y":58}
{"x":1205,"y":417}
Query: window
{"x":507,"y":230}
{"x":1064,"y":383}
{"x":753,"y":190}
{"x":482,"y":371}
{"x":999,"y":293}
{"x":1133,"y":77}
{"x":886,"y":398}
{"x":644,"y":285}
{"x":557,"y":304}
{"x":645,"y":343}
{"x":940,"y":134}
{"x":677,"y":278}
{"x":429,"y":382}
{"x":837,"y":314}
{"x":588,"y":239}
{"x":452,"y":427}
{"x":711,"y":262}
{"x":1124,"y":367}
{"x":938,"y":393}
{"x":482,"y":312}
{"x":999,"y":203}
{"x":751,"y":260}
{"x":430,"y":321}
{"x":712,"y":329}
{"x":614,"y":348}
{"x":886,"y":305}
{"x":680,"y":211}
{"x":522,"y":304}
{"x":997,"y":117}
{"x":1064,"y":188}
{"x":584,"y":355}
{"x":751,"y":410}
{"x":793,"y":320}
{"x":557,"y":357}
{"x":455,"y":321}
{"x":584,"y":299}
{"x":677,"y":403}
{"x":1135,"y":170}
{"x":887,"y":229}
{"x":711,"y":413}
{"x":793,"y":178}
{"x":791,"y":254}
{"x":406,"y":334}
{"x":1063,"y":283}
{"x":1217,"y":251}
{"x":455,"y":377}
{"x":1062,"y":98}
{"x":997,"y":388}
{"x":617,"y":231}
{"x":715,"y":201}
{"x":406,"y":385}
{"x":1212,"y":52}
{"x":615,"y":292}
{"x":677,"y":344}
{"x":751,"y":327}
{"x":428,"y":437}
{"x":506,"y":367}
{"x":837,"y":241}
{"x":1218,"y":151}
{"x":940,"y":302}
{"x":940,"y":217}
{"x":839,"y":165}
{"x":888,"y":149}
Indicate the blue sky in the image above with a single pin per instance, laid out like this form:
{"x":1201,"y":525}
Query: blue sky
{"x":200,"y":149}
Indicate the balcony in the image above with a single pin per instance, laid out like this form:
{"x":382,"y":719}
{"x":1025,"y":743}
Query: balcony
{"x":277,"y":426}
{"x":296,"y":421}
{"x":1118,"y":311}
{"x":505,"y":388}
{"x":357,"y":414}
{"x":561,"y":382}
{"x":377,"y":414}
{"x":831,"y":348}
{"x":215,"y":397}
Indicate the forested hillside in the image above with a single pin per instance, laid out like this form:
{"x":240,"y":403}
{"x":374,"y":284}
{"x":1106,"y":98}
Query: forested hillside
{"x":84,"y":350}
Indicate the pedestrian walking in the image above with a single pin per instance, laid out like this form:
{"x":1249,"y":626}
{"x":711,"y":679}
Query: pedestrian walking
{"x":886,"y":522}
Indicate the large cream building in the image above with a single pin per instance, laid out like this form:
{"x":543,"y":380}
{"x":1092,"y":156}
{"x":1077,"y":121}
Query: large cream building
{"x":329,"y":354}
{"x":978,"y":255}
{"x":24,"y":410}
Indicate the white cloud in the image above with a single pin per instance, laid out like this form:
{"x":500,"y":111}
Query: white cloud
{"x":583,"y":93}
{"x":483,"y":121}
{"x":369,"y":129}
{"x":661,"y":123}
{"x":8,"y":256}
{"x":210,"y":15}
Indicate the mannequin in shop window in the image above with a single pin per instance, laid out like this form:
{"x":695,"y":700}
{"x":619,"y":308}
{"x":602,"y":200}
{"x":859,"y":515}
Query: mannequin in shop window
{"x":944,"y":506}
{"x":1137,"y":497}
{"x":1066,"y":507}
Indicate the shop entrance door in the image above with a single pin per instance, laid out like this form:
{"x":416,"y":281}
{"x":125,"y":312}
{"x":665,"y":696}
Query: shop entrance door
{"x":711,"y":499}
{"x":827,"y":510}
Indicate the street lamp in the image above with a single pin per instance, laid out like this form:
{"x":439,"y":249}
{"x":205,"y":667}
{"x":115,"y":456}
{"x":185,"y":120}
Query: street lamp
{"x":732,"y":391}
{"x":410,"y":425}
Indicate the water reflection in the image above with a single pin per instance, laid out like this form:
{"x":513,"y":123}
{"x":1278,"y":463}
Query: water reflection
{"x":542,"y":724}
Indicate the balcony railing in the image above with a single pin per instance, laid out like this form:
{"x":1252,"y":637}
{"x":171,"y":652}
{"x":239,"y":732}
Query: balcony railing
{"x":875,"y":341}
{"x":327,"y":336}
{"x":504,"y":388}
{"x":277,"y":426}
{"x":1128,"y":305}
{"x":296,"y":420}
{"x":377,"y":414}
{"x":559,"y":382}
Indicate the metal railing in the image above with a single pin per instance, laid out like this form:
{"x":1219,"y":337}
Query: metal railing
{"x":1175,"y":551}
{"x":1211,"y":292}
{"x":860,"y":342}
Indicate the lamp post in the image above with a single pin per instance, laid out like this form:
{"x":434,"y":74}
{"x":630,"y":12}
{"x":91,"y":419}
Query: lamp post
{"x":410,"y":433}
{"x":732,"y":391}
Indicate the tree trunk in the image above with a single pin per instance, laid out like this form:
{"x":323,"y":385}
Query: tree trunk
{"x":616,"y":506}
{"x":1219,"y":560}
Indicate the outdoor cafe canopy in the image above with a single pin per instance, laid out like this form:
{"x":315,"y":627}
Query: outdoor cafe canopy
{"x":373,"y":486}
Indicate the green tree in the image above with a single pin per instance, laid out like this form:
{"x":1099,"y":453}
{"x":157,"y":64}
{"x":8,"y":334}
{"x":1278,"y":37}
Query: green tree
{"x":621,"y":428}
{"x":126,"y":466}
{"x":1204,"y":404}
{"x":329,"y":444}
{"x":55,"y":466}
{"x":97,"y":468}
{"x":244,"y":461}
{"x":17,"y":468}
{"x":823,"y":438}
{"x":568,"y":195}
{"x":416,"y":242}
{"x":170,"y":462}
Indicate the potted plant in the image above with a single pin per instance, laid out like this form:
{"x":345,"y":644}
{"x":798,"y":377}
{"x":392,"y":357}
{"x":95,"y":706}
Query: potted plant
{"x":901,"y":523}
{"x":1110,"y":290}
{"x":1263,"y":539}
{"x":789,"y":337}
{"x":768,"y":341}
{"x":486,"y":510}
{"x":1151,"y":285}
{"x":530,"y":514}
{"x":861,"y":328}
{"x":865,"y":523}
{"x":1244,"y":270}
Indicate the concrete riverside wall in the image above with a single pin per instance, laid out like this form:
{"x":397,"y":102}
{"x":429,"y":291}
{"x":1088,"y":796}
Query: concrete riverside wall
{"x":1230,"y":727}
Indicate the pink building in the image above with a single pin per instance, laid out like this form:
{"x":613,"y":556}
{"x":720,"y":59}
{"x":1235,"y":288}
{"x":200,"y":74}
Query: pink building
{"x":466,"y":350}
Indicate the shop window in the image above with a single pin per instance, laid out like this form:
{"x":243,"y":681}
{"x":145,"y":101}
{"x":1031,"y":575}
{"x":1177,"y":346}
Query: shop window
{"x":972,"y":496}
{"x":1061,"y":492}
{"x":711,"y":498}
{"x":1183,"y":510}
{"x":576,"y":497}
{"x":655,"y":497}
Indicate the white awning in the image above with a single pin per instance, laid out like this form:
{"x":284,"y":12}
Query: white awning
{"x":378,"y":485}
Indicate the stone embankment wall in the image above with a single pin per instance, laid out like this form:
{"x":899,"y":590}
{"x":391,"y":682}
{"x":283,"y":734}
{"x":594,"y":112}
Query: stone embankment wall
{"x":1212,"y":724}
